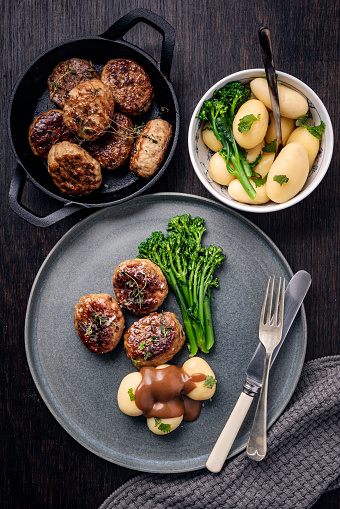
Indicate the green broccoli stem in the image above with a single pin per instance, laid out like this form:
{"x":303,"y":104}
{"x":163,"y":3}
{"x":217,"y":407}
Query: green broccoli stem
{"x":209,"y":332}
{"x":245,"y":164}
{"x":240,"y":174}
{"x":231,"y":151}
{"x":188,"y":325}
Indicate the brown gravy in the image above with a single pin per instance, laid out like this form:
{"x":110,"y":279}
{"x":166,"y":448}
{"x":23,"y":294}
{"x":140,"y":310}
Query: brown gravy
{"x":162,"y":393}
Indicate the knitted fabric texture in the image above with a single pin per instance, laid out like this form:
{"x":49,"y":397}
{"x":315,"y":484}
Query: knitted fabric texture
{"x":302,"y":462}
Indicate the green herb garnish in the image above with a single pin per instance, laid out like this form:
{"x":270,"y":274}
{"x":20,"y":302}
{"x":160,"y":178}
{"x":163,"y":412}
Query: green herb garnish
{"x":131,"y":394}
{"x":166,"y":428}
{"x":246,"y":122}
{"x":258,"y":180}
{"x":270,"y":147}
{"x":281,"y":179}
{"x":209,"y":382}
{"x":305,"y":121}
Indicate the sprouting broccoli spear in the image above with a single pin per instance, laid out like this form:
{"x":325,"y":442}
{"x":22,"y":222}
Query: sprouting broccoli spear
{"x":220,"y":112}
{"x":188,"y":267}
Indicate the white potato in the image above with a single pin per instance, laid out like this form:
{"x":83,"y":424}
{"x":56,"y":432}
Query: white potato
{"x":128,"y":385}
{"x":287,"y":127}
{"x":311,"y":144}
{"x":292,"y":162}
{"x":292,"y":103}
{"x":210,"y":139}
{"x":198,"y":365}
{"x":237,"y":193}
{"x":153,"y":425}
{"x":258,"y":128}
{"x":254,"y":152}
{"x":218,"y":170}
{"x":264,"y":165}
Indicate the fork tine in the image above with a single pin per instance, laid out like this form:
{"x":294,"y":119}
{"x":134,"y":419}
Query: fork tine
{"x":264,"y":302}
{"x":282,"y":302}
{"x":276,"y":310}
{"x":269,"y":310}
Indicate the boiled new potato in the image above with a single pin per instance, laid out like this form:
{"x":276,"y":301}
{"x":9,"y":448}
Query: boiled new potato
{"x":287,"y":127}
{"x":237,"y":193}
{"x":254,"y":152}
{"x":292,"y":163}
{"x":210,"y":139}
{"x":311,"y":144}
{"x":263,"y":167}
{"x":170,"y":424}
{"x":218,"y":170}
{"x":292,"y":103}
{"x":126,"y":393}
{"x":198,"y":365}
{"x":249,"y":139}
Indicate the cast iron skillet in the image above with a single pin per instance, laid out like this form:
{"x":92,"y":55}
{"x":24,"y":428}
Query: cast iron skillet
{"x":30,"y":98}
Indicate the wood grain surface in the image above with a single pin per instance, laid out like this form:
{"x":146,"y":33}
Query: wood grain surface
{"x":42,"y":465}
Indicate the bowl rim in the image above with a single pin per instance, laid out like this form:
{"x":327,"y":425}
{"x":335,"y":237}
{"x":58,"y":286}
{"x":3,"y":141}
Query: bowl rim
{"x":310,"y":94}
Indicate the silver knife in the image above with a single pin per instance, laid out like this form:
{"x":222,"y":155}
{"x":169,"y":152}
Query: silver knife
{"x":294,"y":295}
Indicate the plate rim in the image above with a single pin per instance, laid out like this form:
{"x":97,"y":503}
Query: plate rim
{"x":45,"y":391}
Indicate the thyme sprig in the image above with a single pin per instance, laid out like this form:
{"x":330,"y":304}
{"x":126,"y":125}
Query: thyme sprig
{"x":97,"y":321}
{"x":114,"y":127}
{"x":135,"y":291}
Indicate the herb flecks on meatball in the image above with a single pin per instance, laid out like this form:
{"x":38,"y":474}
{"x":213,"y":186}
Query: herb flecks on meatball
{"x":140,"y":286}
{"x":99,"y":322}
{"x":154,"y":339}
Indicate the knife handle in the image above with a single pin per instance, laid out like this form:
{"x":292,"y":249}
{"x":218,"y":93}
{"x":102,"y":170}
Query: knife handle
{"x":226,"y":439}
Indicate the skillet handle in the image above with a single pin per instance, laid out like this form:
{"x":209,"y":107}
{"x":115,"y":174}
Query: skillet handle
{"x":14,"y":196}
{"x":124,"y":24}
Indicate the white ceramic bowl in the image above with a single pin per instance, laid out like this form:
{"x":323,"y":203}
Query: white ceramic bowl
{"x":200,"y":154}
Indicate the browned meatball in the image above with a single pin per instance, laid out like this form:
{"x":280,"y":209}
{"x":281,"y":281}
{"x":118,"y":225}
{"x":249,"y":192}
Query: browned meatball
{"x":113,"y":149}
{"x":130,"y":85}
{"x":154,"y":339}
{"x":67,"y":75}
{"x":99,"y":322}
{"x":46,"y":130}
{"x":140,"y":286}
{"x":149,"y":150}
{"x":89,"y":109}
{"x":72,"y":169}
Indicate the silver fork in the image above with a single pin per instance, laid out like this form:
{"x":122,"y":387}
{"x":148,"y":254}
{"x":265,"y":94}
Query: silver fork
{"x":270,"y":333}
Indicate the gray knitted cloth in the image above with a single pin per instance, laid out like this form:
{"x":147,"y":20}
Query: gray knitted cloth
{"x":302,"y":463}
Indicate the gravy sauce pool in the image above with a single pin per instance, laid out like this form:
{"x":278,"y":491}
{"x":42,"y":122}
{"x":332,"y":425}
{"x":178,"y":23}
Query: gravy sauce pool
{"x":162,"y":393}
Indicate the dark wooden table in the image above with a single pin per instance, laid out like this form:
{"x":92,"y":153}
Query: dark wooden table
{"x":42,"y":465}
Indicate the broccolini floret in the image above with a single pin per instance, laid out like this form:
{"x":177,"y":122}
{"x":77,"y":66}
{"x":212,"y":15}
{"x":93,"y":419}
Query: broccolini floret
{"x":188,"y":267}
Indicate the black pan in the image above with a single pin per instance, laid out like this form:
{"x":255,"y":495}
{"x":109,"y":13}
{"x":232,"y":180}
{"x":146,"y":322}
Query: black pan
{"x":30,"y":99}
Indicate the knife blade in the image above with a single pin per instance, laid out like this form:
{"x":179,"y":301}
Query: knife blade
{"x":294,"y":296}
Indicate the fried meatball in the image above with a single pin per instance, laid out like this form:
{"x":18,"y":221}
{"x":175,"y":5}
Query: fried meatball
{"x":67,"y":75}
{"x":72,"y":169}
{"x":130,"y":85}
{"x":99,"y":322}
{"x":89,"y":109}
{"x":154,"y":339}
{"x":149,"y":150}
{"x":113,"y":149}
{"x":140,"y":286}
{"x":46,"y":130}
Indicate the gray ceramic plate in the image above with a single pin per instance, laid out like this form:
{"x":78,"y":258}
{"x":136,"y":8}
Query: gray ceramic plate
{"x":80,"y":388}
